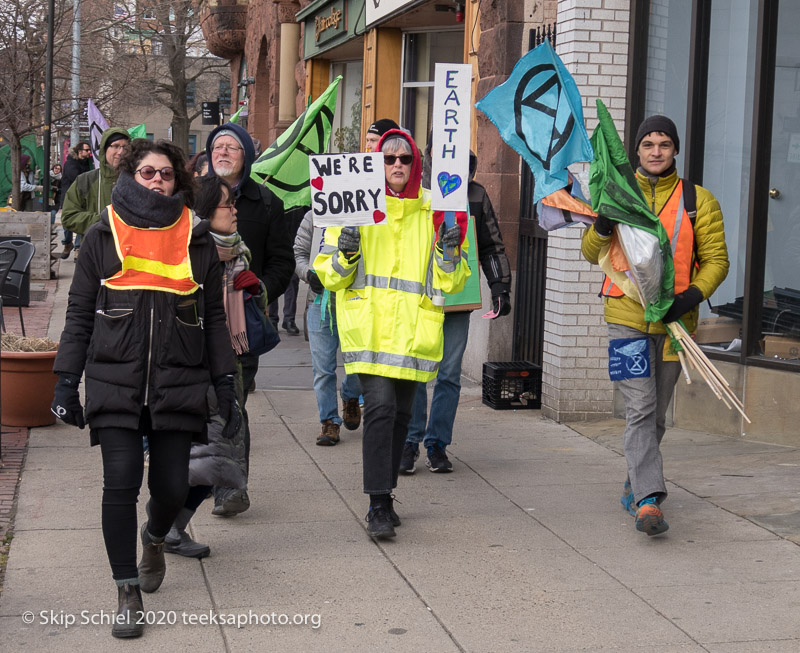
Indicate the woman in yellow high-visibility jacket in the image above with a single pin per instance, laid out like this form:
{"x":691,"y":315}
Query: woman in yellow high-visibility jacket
{"x":389,"y":281}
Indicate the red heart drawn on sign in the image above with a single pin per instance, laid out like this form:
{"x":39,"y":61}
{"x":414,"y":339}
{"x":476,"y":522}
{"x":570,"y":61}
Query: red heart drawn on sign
{"x":378,"y":216}
{"x":317,"y":182}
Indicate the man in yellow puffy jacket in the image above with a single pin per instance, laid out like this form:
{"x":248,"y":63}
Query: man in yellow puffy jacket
{"x":389,"y":281}
{"x":649,"y":372}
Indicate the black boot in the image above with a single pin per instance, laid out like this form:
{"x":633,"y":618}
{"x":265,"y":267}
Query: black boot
{"x":153,"y":567}
{"x":129,"y":620}
{"x":180,"y":542}
{"x":291,"y":327}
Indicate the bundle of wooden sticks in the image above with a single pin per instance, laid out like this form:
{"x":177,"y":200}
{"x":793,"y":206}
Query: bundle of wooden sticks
{"x":697,"y":360}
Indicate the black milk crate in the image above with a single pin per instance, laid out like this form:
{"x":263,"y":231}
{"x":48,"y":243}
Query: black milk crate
{"x":516,"y":384}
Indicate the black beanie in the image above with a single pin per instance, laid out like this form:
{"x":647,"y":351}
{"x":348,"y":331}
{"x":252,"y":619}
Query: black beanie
{"x":116,"y":136}
{"x":658,"y":124}
{"x":380,"y":127}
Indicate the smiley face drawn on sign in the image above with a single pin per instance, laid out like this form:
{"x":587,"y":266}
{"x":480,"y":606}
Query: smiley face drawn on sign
{"x":540,"y":91}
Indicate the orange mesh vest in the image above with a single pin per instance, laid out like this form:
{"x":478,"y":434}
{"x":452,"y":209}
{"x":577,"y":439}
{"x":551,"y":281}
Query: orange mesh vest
{"x":153,"y":259}
{"x":678,"y":225}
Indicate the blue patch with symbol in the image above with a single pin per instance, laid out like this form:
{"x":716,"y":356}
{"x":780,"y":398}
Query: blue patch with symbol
{"x":629,"y":358}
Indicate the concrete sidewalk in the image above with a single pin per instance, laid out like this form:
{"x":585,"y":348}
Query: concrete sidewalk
{"x":525,"y":547}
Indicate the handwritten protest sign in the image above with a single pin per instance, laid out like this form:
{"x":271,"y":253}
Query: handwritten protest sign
{"x":451,"y":135}
{"x":348,"y":189}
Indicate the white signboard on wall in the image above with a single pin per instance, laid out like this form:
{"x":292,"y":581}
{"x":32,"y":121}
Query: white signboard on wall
{"x":452,"y":106}
{"x":377,"y":9}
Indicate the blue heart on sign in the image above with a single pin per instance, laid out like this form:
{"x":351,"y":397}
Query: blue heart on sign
{"x":448,"y":183}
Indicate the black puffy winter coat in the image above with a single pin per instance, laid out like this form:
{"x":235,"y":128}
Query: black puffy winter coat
{"x":143,"y":347}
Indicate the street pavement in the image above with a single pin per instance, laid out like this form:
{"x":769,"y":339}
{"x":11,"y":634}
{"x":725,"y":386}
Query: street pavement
{"x":524,"y":547}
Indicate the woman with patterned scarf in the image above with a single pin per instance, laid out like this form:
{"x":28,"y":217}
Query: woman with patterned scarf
{"x":221,"y":462}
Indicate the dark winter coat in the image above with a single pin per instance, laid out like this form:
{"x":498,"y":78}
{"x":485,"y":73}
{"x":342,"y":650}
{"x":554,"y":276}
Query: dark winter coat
{"x":73,"y":167}
{"x":261,"y":221}
{"x":134,"y":349}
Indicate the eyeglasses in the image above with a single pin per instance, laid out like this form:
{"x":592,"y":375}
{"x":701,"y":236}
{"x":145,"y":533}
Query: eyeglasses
{"x":148,"y":172}
{"x":86,"y":149}
{"x":405,"y":159}
{"x":230,"y":207}
{"x":222,"y":147}
{"x":118,"y":146}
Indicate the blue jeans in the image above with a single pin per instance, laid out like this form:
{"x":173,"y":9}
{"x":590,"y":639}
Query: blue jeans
{"x":323,"y":363}
{"x":446,"y":391}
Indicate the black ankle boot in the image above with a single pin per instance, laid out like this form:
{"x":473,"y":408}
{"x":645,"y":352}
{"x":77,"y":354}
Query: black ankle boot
{"x":153,"y":567}
{"x":129,"y":620}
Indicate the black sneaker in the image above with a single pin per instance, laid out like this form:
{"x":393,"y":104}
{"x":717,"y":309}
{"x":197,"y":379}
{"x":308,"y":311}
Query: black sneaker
{"x":379,"y":523}
{"x":409,"y":457}
{"x":437,"y":460}
{"x":395,"y":517}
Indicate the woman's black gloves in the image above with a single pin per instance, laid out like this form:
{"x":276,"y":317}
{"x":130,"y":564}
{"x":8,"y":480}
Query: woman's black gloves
{"x":349,"y":242}
{"x":449,"y":237}
{"x":314,"y":282}
{"x":67,"y":402}
{"x":227,"y":405}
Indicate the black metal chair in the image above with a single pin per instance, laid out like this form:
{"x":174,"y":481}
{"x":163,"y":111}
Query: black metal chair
{"x":12,"y":287}
{"x":7,"y":257}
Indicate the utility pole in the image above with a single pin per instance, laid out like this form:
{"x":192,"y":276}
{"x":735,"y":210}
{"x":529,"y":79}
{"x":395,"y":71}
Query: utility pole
{"x":48,"y":106}
{"x":75,"y":133}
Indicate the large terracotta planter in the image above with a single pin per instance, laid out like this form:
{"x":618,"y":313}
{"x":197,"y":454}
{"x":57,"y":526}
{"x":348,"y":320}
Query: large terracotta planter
{"x":27,"y":384}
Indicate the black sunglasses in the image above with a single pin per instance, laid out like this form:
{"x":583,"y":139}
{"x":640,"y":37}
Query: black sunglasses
{"x":405,"y":159}
{"x":148,"y":172}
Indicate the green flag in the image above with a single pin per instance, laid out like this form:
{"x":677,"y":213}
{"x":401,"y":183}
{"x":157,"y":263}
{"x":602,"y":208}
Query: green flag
{"x":616,"y":194}
{"x":140,"y":131}
{"x":283,"y":166}
{"x":235,"y":116}
{"x":28,"y":146}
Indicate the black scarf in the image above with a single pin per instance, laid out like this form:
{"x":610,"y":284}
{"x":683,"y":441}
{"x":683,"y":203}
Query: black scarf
{"x":143,"y":208}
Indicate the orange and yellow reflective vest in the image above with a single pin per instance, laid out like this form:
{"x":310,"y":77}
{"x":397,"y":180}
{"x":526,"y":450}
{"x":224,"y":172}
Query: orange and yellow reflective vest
{"x":678,"y":225}
{"x":153,"y":259}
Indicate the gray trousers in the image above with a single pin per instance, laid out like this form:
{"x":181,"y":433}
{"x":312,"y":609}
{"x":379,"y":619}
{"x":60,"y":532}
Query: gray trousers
{"x":646,"y":401}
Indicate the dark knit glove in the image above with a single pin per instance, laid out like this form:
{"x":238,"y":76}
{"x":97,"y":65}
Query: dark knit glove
{"x":349,"y":242}
{"x":67,"y":402}
{"x":227,"y":405}
{"x":314,"y":282}
{"x":247,"y":280}
{"x":603,"y":226}
{"x":501,"y":301}
{"x":682,"y":304}
{"x":449,"y":237}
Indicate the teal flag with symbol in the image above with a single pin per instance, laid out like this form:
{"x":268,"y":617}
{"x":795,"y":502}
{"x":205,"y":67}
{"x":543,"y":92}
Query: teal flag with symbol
{"x":538,"y":112}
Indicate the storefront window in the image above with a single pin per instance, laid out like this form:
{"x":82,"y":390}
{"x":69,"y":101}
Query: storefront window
{"x":728,"y":134}
{"x":668,"y":40}
{"x":421,"y":52}
{"x":780,"y":323}
{"x":346,"y":131}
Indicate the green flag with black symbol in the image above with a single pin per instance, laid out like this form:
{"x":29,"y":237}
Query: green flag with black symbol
{"x":616,"y":195}
{"x":283,"y":167}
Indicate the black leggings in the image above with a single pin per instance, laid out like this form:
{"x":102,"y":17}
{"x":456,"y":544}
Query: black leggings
{"x":123,"y":470}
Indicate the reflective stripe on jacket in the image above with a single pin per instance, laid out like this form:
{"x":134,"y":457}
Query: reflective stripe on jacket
{"x":150,"y":259}
{"x":388,"y":323}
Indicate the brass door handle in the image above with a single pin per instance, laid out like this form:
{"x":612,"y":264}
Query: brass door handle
{"x":774,"y":193}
